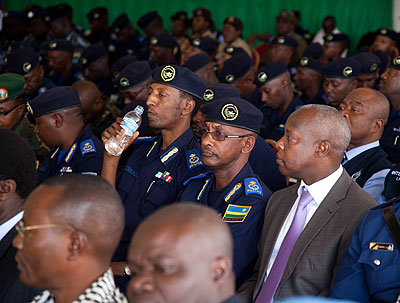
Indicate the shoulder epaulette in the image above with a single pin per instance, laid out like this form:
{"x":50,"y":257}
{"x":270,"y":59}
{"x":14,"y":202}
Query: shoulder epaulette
{"x":145,"y":139}
{"x":199,"y":176}
{"x":87,"y":146}
{"x":193,"y":159}
{"x":388,"y":203}
{"x":253,"y":186}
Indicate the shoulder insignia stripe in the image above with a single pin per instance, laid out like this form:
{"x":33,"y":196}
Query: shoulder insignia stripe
{"x":70,"y":153}
{"x":202,"y":190}
{"x":232,"y":192}
{"x":154,"y":144}
{"x":55,"y":152}
{"x":169,"y":155}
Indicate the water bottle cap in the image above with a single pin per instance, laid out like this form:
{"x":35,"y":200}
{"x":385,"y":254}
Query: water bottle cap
{"x":139,"y":109}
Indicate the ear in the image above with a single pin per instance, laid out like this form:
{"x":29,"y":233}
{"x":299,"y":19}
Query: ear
{"x":7,"y":188}
{"x":322,"y":149}
{"x":57,"y":120}
{"x":377,"y":125}
{"x":41,"y":71}
{"x":77,"y":245}
{"x":354,"y":84}
{"x":21,"y":108}
{"x":248,"y":144}
{"x":221,"y":269}
{"x":188,"y":107}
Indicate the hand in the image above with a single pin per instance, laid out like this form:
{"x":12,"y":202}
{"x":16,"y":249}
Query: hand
{"x":115,"y":130}
{"x":252,"y":39}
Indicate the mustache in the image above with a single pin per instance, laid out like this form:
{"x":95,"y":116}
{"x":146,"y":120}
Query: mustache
{"x":206,"y":149}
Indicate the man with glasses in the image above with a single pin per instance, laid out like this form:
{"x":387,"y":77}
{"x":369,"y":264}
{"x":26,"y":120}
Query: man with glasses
{"x":25,"y":62}
{"x":17,"y":180}
{"x":66,"y":238}
{"x":232,"y":126}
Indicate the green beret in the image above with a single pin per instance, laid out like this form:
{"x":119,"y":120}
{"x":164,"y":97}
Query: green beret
{"x":11,"y":86}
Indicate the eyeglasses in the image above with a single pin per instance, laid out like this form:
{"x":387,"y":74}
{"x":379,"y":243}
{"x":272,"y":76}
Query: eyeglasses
{"x":9,"y":111}
{"x":22,"y":229}
{"x":217,"y":135}
{"x":133,"y":96}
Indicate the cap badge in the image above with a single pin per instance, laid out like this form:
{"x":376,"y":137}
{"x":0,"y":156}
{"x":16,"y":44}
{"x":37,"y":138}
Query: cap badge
{"x":115,"y":74}
{"x":29,"y":108}
{"x":124,"y":82}
{"x":229,"y":50}
{"x":26,"y":67}
{"x":383,"y":31}
{"x":280,"y":40}
{"x":396,"y":61}
{"x":52,"y":45}
{"x":153,"y":40}
{"x":329,"y":38}
{"x":347,"y":71}
{"x":96,"y":15}
{"x":373,"y":67}
{"x":262,"y":77}
{"x":168,"y":73}
{"x":175,"y":51}
{"x":230,"y":78}
{"x":111,"y":48}
{"x":231,"y":19}
{"x":116,"y":30}
{"x":3,"y":94}
{"x":229,"y":112}
{"x":83,"y":60}
{"x":304,"y":61}
{"x":30,"y":14}
{"x":208,"y":95}
{"x":196,"y":41}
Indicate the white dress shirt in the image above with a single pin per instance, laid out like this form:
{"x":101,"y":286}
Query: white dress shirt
{"x":9,"y":224}
{"x":318,"y":192}
{"x":376,"y":183}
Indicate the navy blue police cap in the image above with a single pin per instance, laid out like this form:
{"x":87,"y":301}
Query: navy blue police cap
{"x":180,"y":78}
{"x":235,"y":68}
{"x":384,"y":61}
{"x":369,"y":62}
{"x":36,"y":12}
{"x":234,"y":112}
{"x":220,"y":91}
{"x":14,"y":15}
{"x":314,"y":50}
{"x":235,"y":22}
{"x":120,"y":23}
{"x":182,"y":16}
{"x":206,"y":44}
{"x":163,"y":40}
{"x":93,"y":53}
{"x":395,"y":62}
{"x":233,"y":51}
{"x":133,"y":74}
{"x":202,"y":12}
{"x":118,"y":66}
{"x":97,"y":13}
{"x":195,"y":62}
{"x":285,"y":40}
{"x":311,"y":63}
{"x":387,"y":33}
{"x":146,"y":19}
{"x":269,"y":72}
{"x":336,"y":38}
{"x":56,"y":12}
{"x":22,"y":61}
{"x":53,"y":100}
{"x":61,"y":45}
{"x":345,"y":68}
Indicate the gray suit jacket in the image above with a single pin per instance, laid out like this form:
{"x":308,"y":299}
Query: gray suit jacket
{"x":319,"y":249}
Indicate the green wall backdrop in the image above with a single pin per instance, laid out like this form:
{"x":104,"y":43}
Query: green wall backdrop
{"x":354,"y":17}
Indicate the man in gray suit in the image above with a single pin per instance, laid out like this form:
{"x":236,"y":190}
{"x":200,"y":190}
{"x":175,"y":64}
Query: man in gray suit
{"x":309,"y":225}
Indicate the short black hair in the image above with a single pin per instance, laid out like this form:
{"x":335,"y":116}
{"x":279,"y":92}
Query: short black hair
{"x":18,"y":162}
{"x":185,"y":95}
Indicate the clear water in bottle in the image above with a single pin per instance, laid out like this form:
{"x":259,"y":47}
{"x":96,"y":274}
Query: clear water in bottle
{"x":132,"y":120}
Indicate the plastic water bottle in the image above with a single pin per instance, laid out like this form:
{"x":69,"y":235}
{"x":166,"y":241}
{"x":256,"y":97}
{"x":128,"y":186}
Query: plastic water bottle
{"x":132,"y":120}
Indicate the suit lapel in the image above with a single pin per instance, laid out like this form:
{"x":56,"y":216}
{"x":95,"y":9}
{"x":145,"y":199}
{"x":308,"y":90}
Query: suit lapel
{"x":6,"y":242}
{"x":327,"y":209}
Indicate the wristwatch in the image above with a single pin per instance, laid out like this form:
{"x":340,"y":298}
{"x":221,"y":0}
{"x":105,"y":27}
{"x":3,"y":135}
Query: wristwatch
{"x":127,"y":271}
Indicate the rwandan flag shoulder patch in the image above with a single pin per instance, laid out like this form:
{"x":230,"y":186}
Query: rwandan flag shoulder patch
{"x":235,"y":213}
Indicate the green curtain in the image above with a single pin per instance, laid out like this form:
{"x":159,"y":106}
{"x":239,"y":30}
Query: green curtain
{"x":354,"y":17}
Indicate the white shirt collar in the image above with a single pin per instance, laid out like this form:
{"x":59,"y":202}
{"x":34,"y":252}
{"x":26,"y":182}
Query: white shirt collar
{"x":358,"y":150}
{"x":320,"y":189}
{"x":9,"y":224}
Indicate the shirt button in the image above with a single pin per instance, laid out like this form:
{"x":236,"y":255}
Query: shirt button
{"x":377,"y":262}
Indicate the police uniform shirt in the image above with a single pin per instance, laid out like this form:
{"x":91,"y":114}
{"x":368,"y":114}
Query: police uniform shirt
{"x":390,"y":140}
{"x":370,"y":268}
{"x":320,"y":98}
{"x":273,"y":125}
{"x":84,"y":156}
{"x":74,"y":74}
{"x":46,"y":84}
{"x":153,"y":178}
{"x":368,"y":166}
{"x":241,"y":204}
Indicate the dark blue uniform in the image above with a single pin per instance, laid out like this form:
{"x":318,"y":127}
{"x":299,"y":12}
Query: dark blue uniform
{"x":241,"y":204}
{"x":153,"y":178}
{"x":390,"y":140}
{"x":320,"y":98}
{"x":74,"y":74}
{"x":84,"y":156}
{"x":263,"y":162}
{"x":46,"y":84}
{"x":273,"y":124}
{"x":370,"y":269}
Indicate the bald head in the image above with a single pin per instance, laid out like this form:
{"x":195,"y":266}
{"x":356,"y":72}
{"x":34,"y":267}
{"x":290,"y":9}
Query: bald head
{"x":90,"y":96}
{"x":90,"y":205}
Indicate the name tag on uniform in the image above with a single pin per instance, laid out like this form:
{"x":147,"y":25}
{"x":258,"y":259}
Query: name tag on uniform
{"x":381,"y":246}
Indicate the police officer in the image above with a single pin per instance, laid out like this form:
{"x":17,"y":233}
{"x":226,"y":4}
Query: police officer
{"x":308,"y":80}
{"x":335,"y":47}
{"x":196,"y":45}
{"x":392,"y":185}
{"x":38,"y":37}
{"x":94,"y":61}
{"x":202,"y":65}
{"x":232,"y":189}
{"x":385,"y":41}
{"x":157,"y":168}
{"x":133,"y":83}
{"x":283,"y":48}
{"x":60,"y":125}
{"x":390,"y":86}
{"x":370,"y":269}
{"x":262,"y":157}
{"x":340,"y":79}
{"x":164,"y":50}
{"x":98,"y":23}
{"x":369,"y":69}
{"x":25,"y":62}
{"x":64,"y":71}
{"x":273,"y":82}
{"x":180,"y":26}
{"x":151,"y":24}
{"x":202,"y":23}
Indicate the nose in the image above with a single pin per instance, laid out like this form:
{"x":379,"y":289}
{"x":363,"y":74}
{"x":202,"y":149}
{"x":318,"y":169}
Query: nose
{"x":151,"y":99}
{"x":140,"y":283}
{"x":36,"y":129}
{"x":206,"y":140}
{"x":279,"y":144}
{"x":384,"y":75}
{"x":18,"y":242}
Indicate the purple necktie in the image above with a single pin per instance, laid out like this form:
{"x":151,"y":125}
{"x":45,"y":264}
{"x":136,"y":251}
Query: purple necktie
{"x":268,"y":289}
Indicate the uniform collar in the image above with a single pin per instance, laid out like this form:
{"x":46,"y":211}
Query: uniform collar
{"x":360,"y":149}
